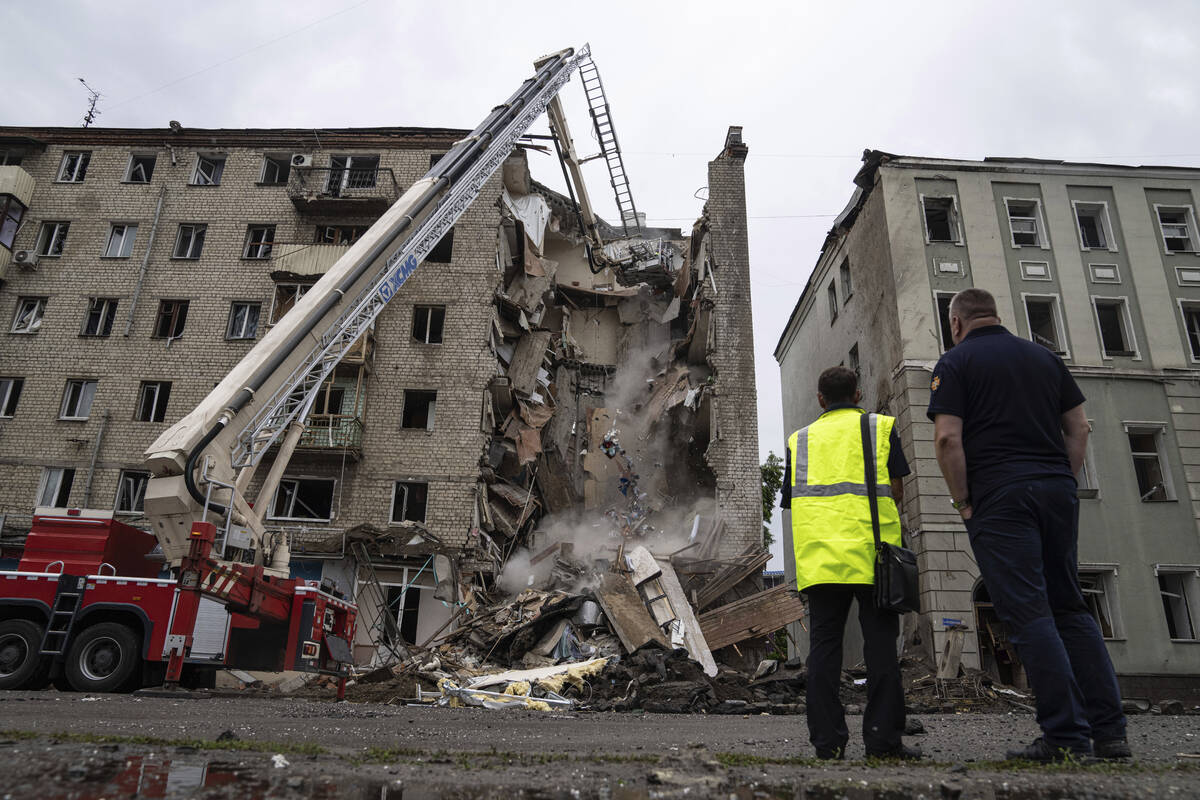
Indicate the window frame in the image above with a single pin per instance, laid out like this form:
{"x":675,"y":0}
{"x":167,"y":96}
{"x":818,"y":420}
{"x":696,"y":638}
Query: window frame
{"x":134,"y":159}
{"x":107,"y":306}
{"x":127,"y":240}
{"x":47,"y":240}
{"x":79,"y":173}
{"x":1089,"y":489}
{"x":276,"y":160}
{"x":956,"y":218}
{"x":194,"y":228}
{"x":259,"y":249}
{"x":229,"y":325}
{"x":160,"y":391}
{"x":138,"y":506}
{"x":1189,"y":221}
{"x":12,"y":215}
{"x":296,"y":479}
{"x":179,"y":320}
{"x":39,"y":316}
{"x":301,"y":290}
{"x":1191,"y":575}
{"x":10,"y":395}
{"x":1126,"y":324}
{"x":1056,"y":312}
{"x":1107,"y":577}
{"x":1039,"y":222}
{"x":1026,"y":276}
{"x":831,"y":293}
{"x":407,"y":484}
{"x":429,"y":313}
{"x":217,"y":161}
{"x":1158,"y":430}
{"x":430,"y":410}
{"x":44,"y":484}
{"x":1105,"y":225}
{"x":86,"y":396}
{"x":943,"y":331}
{"x":847,"y":280}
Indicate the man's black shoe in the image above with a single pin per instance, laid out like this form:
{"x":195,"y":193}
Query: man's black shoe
{"x":900,"y":752}
{"x":1044,"y":753}
{"x":1112,"y":749}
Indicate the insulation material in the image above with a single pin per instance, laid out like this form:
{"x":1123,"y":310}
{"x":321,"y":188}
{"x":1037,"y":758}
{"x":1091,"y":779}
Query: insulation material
{"x":533,"y":212}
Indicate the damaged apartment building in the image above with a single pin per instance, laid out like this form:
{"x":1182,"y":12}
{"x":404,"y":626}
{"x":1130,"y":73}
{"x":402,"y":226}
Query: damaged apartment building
{"x":509,"y":397}
{"x":1099,"y":263}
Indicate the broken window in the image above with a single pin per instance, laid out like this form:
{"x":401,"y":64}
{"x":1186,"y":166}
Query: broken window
{"x":100,"y":315}
{"x":1024,"y":222}
{"x":30,"y":311}
{"x":243,"y":321}
{"x":352,"y":172}
{"x":10,"y":393}
{"x":339,"y":234}
{"x":409,"y":501}
{"x":1178,"y":591}
{"x":1086,"y":480}
{"x":120,"y":241}
{"x":55,"y":487}
{"x":172,"y":316}
{"x":1097,"y":588}
{"x":1178,"y":227}
{"x":941,"y":219}
{"x":286,"y":297}
{"x":304,"y":499}
{"x":1042,"y":316}
{"x":847,"y":281}
{"x":943,"y":307}
{"x":1191,"y":324}
{"x":1094,"y":230}
{"x":418,"y":409}
{"x":141,"y":168}
{"x":1149,"y":464}
{"x":77,"y":399}
{"x":131,"y":492}
{"x":329,"y":400}
{"x":259,"y":239}
{"x":189,"y":242}
{"x":208,"y":170}
{"x":428,"y":322}
{"x":276,"y":170}
{"x":854,"y":363}
{"x":833,"y":303}
{"x":74,"y":166}
{"x":52,"y":239}
{"x":1116,"y":336}
{"x":443,"y":250}
{"x":152,"y":401}
{"x":12,"y":212}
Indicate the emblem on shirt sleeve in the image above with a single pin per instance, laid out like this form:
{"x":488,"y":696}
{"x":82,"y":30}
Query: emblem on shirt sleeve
{"x":937,"y":381}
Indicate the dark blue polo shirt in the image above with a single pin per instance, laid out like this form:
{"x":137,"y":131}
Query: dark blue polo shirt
{"x":1011,"y":395}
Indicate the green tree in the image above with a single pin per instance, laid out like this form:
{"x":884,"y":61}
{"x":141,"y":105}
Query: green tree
{"x":772,"y":482}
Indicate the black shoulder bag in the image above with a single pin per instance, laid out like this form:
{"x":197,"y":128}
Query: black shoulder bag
{"x":895,"y":567}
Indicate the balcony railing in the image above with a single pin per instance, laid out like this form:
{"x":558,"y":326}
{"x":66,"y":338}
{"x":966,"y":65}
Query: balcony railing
{"x":330,"y":191}
{"x":332,"y":432}
{"x":306,"y":258}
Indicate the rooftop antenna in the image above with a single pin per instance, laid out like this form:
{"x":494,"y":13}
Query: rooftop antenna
{"x":93,"y":98}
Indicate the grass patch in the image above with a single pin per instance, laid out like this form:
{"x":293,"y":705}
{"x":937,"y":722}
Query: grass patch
{"x":238,"y":745}
{"x":474,"y":759}
{"x":750,"y":760}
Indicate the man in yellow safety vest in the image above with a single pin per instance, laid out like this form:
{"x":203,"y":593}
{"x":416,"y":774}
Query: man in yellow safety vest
{"x":825,"y":489}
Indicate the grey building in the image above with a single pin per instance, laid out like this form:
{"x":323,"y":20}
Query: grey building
{"x":1099,"y":263}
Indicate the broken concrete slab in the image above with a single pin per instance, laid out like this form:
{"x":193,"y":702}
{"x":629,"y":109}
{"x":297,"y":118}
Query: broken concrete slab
{"x":627,"y":614}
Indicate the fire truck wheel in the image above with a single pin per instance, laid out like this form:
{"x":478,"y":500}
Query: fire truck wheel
{"x":20,"y":641}
{"x":103,"y":658}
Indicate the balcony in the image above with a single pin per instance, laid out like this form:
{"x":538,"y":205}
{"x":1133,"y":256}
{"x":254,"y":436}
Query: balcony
{"x":337,"y":192}
{"x":332,"y":432}
{"x":306,"y":258}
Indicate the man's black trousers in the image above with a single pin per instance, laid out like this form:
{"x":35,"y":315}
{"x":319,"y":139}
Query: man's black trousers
{"x":883,"y":720}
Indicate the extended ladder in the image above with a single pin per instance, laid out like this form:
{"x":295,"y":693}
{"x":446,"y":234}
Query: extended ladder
{"x":606,"y":135}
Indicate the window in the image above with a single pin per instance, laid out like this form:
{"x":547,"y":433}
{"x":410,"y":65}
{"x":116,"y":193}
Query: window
{"x":428,"y":323}
{"x":120,"y":241}
{"x":1178,"y":226}
{"x":352,"y":172}
{"x":29,"y":314}
{"x":1045,"y":327}
{"x":10,"y":158}
{"x":339,"y":234}
{"x":854,"y":363}
{"x":190,"y":241}
{"x":243,"y":321}
{"x":1150,"y":463}
{"x":172,"y":316}
{"x":55,"y":488}
{"x":847,"y":280}
{"x":100,"y":315}
{"x":259,"y":239}
{"x":12,"y":212}
{"x":1116,"y":333}
{"x":304,"y":498}
{"x":1088,"y":485}
{"x":1191,"y":324}
{"x":409,"y":501}
{"x":74,"y":166}
{"x":141,"y":168}
{"x":418,"y":409}
{"x":286,"y":297}
{"x":52,"y":239}
{"x":10,"y":393}
{"x":1104,"y":273}
{"x":1095,"y":232}
{"x":941,"y":219}
{"x":276,"y":169}
{"x":1024,"y":222}
{"x":1178,"y":590}
{"x":131,"y":492}
{"x":77,"y":399}
{"x":833,"y":303}
{"x":208,"y":170}
{"x":943,"y":307}
{"x":152,"y":401}
{"x":329,"y":400}
{"x":1099,"y":592}
{"x":1035,"y":271}
{"x":443,"y":250}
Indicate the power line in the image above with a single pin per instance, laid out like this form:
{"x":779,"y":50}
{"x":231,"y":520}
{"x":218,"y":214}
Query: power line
{"x":768,"y":216}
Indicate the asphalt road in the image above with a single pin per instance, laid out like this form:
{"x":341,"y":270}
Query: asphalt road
{"x":81,"y":746}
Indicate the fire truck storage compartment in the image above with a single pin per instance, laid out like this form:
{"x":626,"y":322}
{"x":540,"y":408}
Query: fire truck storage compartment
{"x":211,"y":631}
{"x":257,"y":644}
{"x":85,"y":541}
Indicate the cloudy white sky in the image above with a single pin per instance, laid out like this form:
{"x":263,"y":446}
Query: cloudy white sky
{"x":813,"y":84}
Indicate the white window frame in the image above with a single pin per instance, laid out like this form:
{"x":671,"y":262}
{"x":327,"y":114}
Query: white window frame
{"x":259,"y":247}
{"x":53,"y":477}
{"x":134,"y":158}
{"x":429,"y":311}
{"x":1107,"y":573}
{"x":8,"y":404}
{"x":123,"y":234}
{"x":831,"y":294}
{"x":1116,"y":268}
{"x":1039,"y":222}
{"x":1026,"y":275}
{"x":77,"y":172}
{"x":135,"y":480}
{"x":1056,"y":311}
{"x":83,"y":401}
{"x":196,"y":231}
{"x":35,"y":308}
{"x":1190,"y":213}
{"x":268,"y":159}
{"x":957,"y":219}
{"x":1159,"y":431}
{"x":295,"y":479}
{"x":209,"y":169}
{"x":392,"y":509}
{"x":240,"y":333}
{"x":1191,"y":573}
{"x":1105,"y":221}
{"x":107,"y":307}
{"x":52,"y":234}
{"x":153,"y":389}
{"x":1126,"y":322}
{"x":942,"y":334}
{"x":1089,"y":490}
{"x":301,"y":290}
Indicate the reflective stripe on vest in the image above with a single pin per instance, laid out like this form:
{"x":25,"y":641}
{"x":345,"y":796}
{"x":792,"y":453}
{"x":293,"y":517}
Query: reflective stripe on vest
{"x":800,"y":485}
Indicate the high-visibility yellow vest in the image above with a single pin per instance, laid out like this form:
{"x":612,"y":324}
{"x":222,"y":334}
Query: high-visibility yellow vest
{"x":831,"y":515}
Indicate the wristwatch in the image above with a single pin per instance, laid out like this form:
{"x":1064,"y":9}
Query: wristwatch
{"x":957,"y":506}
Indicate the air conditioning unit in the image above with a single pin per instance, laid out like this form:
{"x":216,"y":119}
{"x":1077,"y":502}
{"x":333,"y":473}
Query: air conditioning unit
{"x":302,"y":160}
{"x":25,"y":258}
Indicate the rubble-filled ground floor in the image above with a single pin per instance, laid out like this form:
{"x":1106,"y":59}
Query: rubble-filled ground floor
{"x":83,"y":746}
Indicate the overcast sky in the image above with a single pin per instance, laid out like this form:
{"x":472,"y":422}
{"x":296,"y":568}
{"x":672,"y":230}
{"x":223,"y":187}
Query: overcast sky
{"x":812,"y":84}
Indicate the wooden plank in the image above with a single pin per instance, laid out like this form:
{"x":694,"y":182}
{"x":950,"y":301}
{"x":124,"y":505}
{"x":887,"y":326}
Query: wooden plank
{"x":527,"y":360}
{"x":757,"y":615}
{"x":693,"y":636}
{"x":626,"y":613}
{"x":952,"y":653}
{"x":753,"y":560}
